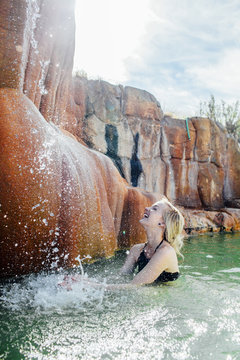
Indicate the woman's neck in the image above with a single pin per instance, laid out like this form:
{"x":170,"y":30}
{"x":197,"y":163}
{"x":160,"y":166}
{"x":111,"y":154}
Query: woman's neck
{"x":154,"y":238}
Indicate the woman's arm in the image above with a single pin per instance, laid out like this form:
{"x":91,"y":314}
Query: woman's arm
{"x":70,"y":280}
{"x":131,"y":259}
{"x":160,"y":262}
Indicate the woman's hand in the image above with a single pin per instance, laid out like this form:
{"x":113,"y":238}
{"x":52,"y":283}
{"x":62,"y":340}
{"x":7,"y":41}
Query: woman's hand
{"x":69,"y":280}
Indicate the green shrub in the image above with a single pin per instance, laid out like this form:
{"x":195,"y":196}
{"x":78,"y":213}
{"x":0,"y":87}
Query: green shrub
{"x":226,"y":114}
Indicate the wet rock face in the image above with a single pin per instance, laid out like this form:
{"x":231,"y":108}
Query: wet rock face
{"x":36,"y":55}
{"x":58,"y":198}
{"x":232,"y":175}
{"x":196,"y":166}
{"x":123,"y":123}
{"x":154,"y":152}
{"x":202,"y":221}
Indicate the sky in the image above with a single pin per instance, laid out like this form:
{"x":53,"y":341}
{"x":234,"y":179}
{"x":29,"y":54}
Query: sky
{"x":181,"y":51}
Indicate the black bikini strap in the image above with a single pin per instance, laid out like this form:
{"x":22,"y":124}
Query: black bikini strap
{"x":159,"y":245}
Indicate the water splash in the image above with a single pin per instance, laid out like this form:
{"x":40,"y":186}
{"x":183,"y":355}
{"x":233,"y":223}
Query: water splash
{"x":80,"y":262}
{"x":33,"y":13}
{"x":41,"y":83}
{"x":177,"y":322}
{"x":43,"y":293}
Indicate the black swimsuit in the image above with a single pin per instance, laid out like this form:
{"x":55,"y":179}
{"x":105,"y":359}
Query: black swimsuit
{"x":164,"y":276}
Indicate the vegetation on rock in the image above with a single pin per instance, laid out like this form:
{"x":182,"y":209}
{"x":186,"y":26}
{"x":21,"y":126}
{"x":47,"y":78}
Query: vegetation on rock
{"x":226,"y":114}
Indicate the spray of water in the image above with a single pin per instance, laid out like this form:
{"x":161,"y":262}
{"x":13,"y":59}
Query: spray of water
{"x":42,"y":293}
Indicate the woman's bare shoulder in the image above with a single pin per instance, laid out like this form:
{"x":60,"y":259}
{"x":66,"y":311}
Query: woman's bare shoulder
{"x":167,"y":255}
{"x":166,"y":250}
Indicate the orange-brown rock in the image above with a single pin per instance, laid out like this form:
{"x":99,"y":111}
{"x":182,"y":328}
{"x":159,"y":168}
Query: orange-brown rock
{"x":198,"y":169}
{"x":13,"y":51}
{"x":210,"y":185}
{"x":141,"y":104}
{"x":58,"y":198}
{"x":232,"y":175}
{"x":181,"y":183}
{"x":36,"y":55}
{"x":177,"y":152}
{"x":175,"y":142}
{"x":155,"y":153}
{"x":202,"y":221}
{"x":211,"y":142}
{"x":75,"y":196}
{"x":123,"y":123}
{"x":131,"y":230}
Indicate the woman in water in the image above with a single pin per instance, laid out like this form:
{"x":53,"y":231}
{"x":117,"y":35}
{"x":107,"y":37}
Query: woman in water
{"x":156,"y":260}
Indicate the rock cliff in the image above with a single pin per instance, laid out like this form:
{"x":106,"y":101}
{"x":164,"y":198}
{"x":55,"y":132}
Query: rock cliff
{"x":61,"y":199}
{"x":58,"y":198}
{"x":154,"y":152}
{"x":36,"y":55}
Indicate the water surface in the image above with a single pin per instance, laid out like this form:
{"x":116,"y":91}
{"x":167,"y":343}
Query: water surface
{"x":196,"y":317}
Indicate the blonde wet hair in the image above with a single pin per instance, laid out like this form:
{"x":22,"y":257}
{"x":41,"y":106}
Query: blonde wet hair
{"x":174,"y":222}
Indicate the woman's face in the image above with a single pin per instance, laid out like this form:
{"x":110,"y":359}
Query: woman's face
{"x":153,"y":216}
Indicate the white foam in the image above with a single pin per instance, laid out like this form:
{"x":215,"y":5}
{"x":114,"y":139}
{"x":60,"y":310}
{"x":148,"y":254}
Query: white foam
{"x":196,"y":273}
{"x":232,"y":270}
{"x":42,"y":292}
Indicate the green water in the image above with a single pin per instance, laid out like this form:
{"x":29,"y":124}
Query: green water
{"x":196,"y":317}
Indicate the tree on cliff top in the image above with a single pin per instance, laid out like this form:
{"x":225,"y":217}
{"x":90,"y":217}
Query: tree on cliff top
{"x":80,"y":74}
{"x":226,"y":114}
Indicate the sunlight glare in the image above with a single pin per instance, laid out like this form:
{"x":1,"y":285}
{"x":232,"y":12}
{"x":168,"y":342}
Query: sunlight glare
{"x":107,"y":33}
